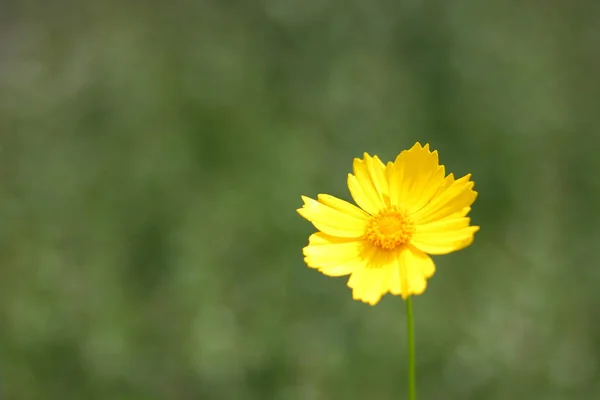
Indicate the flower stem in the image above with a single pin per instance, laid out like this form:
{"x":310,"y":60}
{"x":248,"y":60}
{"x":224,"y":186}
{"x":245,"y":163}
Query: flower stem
{"x":410,"y":327}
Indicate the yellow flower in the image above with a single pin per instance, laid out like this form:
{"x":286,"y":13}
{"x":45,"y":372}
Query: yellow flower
{"x":408,"y":209}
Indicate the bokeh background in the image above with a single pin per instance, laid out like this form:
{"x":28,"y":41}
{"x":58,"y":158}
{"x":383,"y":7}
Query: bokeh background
{"x":153,"y":154}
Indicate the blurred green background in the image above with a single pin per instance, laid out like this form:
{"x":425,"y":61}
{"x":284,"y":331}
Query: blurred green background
{"x":153,"y":154}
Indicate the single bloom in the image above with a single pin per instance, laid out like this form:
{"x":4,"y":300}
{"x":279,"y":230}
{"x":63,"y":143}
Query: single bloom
{"x":406,"y":210}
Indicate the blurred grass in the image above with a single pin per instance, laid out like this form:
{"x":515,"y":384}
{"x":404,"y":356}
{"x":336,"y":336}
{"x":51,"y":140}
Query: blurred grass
{"x":152,"y":157}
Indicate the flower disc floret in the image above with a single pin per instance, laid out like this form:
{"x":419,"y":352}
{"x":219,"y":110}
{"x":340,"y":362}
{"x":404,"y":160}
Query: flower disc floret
{"x":389,"y":229}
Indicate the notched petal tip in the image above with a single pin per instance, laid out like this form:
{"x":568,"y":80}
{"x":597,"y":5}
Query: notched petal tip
{"x":369,"y":301}
{"x":379,"y":163}
{"x":419,"y":151}
{"x":419,"y":146}
{"x":306,"y":200}
{"x":414,"y":292}
{"x":365,"y":156}
{"x":304,"y":209}
{"x":303,"y":213}
{"x":466,"y":177}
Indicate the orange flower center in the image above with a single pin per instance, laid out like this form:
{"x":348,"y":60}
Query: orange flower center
{"x":389,"y":229}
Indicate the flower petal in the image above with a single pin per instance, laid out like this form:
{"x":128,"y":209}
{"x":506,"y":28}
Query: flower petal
{"x":342,"y":206}
{"x":369,"y":284}
{"x":388,"y":171}
{"x":451,"y":223}
{"x":333,"y":256}
{"x":415,"y":178}
{"x":403,"y":272}
{"x":413,"y":269}
{"x":425,"y":263}
{"x":452,"y":198}
{"x":332,"y":221}
{"x":446,"y":240}
{"x":376,"y":170}
{"x":368,"y":186}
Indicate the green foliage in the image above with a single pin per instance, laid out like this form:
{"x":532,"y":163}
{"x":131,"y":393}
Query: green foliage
{"x":152,"y":157}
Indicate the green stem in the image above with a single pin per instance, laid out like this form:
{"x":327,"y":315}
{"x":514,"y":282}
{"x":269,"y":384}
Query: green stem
{"x":410,"y":327}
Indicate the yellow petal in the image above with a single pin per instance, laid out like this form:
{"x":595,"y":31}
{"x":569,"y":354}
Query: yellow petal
{"x":449,"y":200}
{"x":450,"y":223}
{"x":425,"y":263}
{"x":448,"y":181}
{"x":414,"y":267}
{"x":415,"y":178}
{"x":376,"y":170}
{"x":403,"y":272}
{"x":460,"y":213}
{"x":445,"y":240}
{"x":371,"y":281}
{"x":342,"y":206}
{"x":332,"y":221}
{"x":368,"y":186}
{"x":333,"y":256}
{"x":388,"y":171}
{"x":369,"y":284}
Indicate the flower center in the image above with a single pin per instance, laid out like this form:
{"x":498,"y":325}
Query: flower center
{"x":389,"y":229}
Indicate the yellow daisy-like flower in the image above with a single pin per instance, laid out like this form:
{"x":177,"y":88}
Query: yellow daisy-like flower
{"x":408,"y":209}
